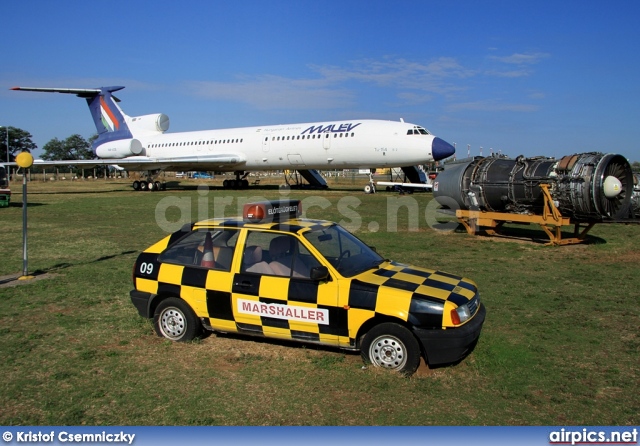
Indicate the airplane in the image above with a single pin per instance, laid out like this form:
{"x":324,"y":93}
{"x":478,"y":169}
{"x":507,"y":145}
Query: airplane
{"x":141,"y":143}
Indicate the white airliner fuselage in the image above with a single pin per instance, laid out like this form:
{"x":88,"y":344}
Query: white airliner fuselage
{"x":141,"y":143}
{"x":358,"y":144}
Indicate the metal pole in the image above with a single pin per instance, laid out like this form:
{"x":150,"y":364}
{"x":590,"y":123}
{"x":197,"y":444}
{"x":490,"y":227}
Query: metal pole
{"x":7,"y":144}
{"x":24,"y":224}
{"x":25,"y":161}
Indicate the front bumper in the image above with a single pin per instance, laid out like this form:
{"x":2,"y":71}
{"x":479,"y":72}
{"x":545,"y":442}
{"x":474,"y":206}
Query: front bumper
{"x":452,"y":344}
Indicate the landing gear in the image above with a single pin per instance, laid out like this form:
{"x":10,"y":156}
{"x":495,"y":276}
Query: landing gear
{"x":371,"y":187}
{"x":238,"y":183}
{"x":150,"y":183}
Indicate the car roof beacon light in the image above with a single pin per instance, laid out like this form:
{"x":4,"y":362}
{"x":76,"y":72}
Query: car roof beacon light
{"x":268,"y":211}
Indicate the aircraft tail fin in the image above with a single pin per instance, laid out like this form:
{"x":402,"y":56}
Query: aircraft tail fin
{"x":109,"y":119}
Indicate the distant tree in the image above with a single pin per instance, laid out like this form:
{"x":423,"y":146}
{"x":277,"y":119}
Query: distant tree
{"x":75,"y":147}
{"x":19,"y":141}
{"x":635,"y":166}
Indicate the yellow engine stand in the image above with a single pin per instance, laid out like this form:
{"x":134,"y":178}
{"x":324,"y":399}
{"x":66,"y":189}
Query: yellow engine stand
{"x":551,"y":221}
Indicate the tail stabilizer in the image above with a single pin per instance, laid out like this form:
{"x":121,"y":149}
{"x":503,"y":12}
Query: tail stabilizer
{"x":109,"y":119}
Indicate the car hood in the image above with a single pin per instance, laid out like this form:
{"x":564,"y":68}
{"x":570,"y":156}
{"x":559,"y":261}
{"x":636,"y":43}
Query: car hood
{"x":421,"y":282}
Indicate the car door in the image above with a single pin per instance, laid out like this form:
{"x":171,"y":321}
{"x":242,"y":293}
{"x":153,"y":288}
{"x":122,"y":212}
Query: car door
{"x":273,"y":293}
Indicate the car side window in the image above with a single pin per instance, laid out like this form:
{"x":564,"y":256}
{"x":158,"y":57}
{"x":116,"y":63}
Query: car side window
{"x":207,"y":248}
{"x":278,"y":255}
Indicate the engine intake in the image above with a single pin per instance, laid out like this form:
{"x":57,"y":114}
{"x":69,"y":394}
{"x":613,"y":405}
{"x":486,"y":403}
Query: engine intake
{"x":587,"y":186}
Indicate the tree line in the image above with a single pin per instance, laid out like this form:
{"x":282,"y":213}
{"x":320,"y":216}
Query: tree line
{"x":75,"y":147}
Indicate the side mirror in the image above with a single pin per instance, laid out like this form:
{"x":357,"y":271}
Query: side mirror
{"x":319,"y":273}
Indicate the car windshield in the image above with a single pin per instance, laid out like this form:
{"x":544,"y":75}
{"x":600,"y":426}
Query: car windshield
{"x":347,"y":253}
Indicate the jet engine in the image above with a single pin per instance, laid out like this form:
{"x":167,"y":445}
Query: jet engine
{"x":155,"y":123}
{"x":585,"y":186}
{"x":119,"y":149}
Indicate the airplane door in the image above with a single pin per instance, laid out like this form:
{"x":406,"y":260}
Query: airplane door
{"x":295,"y":159}
{"x":326,"y":141}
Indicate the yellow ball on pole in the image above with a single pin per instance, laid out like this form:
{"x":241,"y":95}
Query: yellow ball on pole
{"x":24,"y":160}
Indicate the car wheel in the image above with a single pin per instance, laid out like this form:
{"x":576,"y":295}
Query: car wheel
{"x":391,"y":346}
{"x":175,"y":320}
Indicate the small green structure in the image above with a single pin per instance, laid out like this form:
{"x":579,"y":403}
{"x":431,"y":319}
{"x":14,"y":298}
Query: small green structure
{"x":5,"y":192}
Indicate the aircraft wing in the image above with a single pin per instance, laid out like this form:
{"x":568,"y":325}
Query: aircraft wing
{"x":222,"y":162}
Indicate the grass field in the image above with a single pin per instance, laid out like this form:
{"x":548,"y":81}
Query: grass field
{"x":560,"y":344}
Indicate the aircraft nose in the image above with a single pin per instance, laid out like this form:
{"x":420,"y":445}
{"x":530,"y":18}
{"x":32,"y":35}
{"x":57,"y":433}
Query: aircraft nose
{"x":441,"y":149}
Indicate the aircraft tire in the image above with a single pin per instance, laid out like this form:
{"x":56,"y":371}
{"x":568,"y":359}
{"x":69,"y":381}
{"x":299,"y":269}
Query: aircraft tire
{"x":245,"y":184}
{"x":225,"y":184}
{"x":136,"y":185}
{"x":144,"y":185}
{"x":157,"y":185}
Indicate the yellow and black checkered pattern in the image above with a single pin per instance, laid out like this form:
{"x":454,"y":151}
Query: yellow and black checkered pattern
{"x":330,"y":312}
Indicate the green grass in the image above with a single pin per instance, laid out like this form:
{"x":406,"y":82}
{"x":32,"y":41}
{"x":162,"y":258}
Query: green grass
{"x":560,"y":344}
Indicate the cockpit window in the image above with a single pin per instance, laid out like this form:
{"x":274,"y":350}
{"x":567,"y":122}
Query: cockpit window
{"x":418,"y":131}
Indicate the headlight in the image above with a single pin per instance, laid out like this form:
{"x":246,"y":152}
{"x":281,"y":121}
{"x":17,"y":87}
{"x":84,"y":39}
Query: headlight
{"x":460,"y":314}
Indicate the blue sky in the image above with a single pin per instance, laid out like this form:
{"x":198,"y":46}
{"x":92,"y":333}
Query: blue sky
{"x":521,"y":77}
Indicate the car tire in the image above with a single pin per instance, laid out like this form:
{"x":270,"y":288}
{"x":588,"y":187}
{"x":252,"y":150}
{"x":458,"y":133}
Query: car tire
{"x":176,"y":321}
{"x":391,"y":346}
